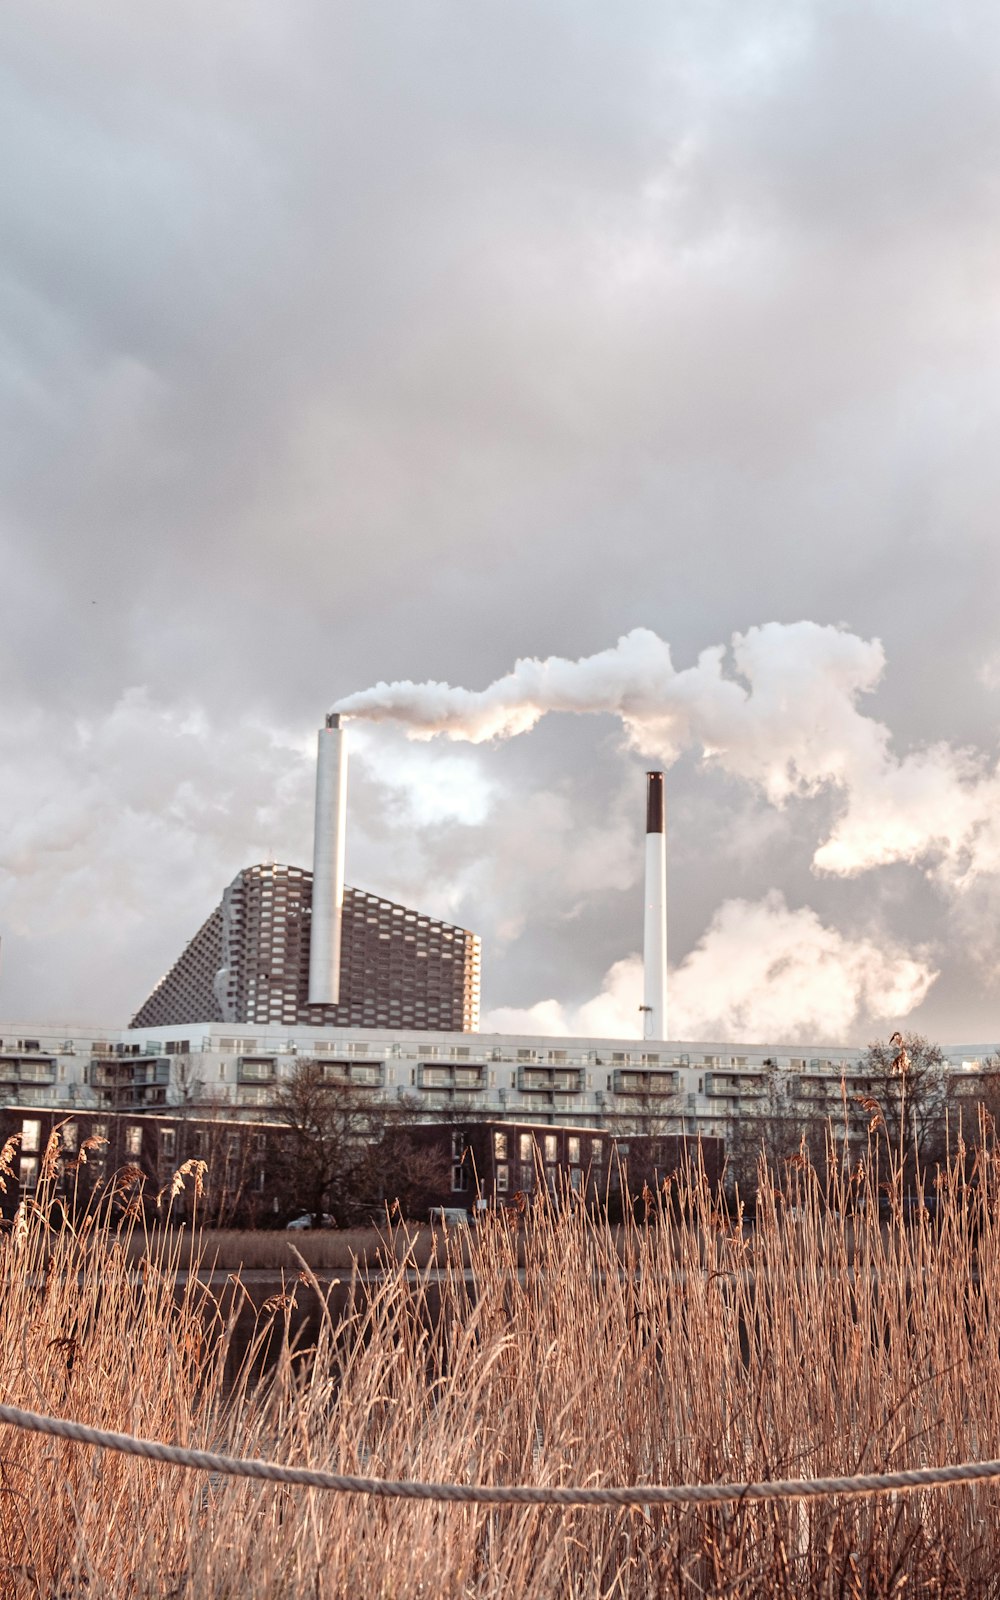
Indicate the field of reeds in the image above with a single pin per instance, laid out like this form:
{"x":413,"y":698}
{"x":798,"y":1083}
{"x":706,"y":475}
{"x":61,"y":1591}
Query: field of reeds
{"x":846,"y":1331}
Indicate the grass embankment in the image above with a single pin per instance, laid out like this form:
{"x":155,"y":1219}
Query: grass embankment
{"x":765,"y":1355}
{"x":324,"y":1250}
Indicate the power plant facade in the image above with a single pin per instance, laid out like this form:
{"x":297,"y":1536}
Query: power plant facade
{"x":250,"y":962}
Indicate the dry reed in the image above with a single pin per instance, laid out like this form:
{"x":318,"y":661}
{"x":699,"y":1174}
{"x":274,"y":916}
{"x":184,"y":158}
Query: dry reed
{"x":683,"y":1347}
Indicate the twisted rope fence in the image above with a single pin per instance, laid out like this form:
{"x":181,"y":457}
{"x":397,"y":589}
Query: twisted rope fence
{"x":512,"y":1494}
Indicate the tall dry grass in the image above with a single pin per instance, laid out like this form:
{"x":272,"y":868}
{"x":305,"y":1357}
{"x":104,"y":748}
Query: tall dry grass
{"x":684,"y":1347}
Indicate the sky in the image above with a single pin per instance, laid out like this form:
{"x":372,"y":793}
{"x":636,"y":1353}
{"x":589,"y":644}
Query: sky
{"x":632,"y":369}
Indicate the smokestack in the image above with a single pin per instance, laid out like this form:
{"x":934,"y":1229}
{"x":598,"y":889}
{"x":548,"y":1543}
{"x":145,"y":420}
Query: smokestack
{"x":328,"y":864}
{"x":654,"y":958}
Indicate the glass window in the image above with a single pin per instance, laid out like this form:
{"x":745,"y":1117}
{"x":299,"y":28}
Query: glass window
{"x":31,"y":1134}
{"x":168,"y":1140}
{"x":525,"y":1147}
{"x":503,"y":1178}
{"x":597,"y":1151}
{"x":133,"y":1140}
{"x":500,"y":1146}
{"x":573,"y":1150}
{"x":551,"y":1147}
{"x":70,"y":1137}
{"x":29,"y":1172}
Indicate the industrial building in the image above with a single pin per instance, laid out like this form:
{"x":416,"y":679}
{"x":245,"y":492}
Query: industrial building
{"x":286,"y":946}
{"x":249,"y":962}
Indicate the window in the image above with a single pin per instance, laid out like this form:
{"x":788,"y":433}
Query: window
{"x":31,"y":1134}
{"x":70,"y":1137}
{"x":573,"y":1150}
{"x":525,"y":1147}
{"x":597,"y":1151}
{"x":29,"y":1172}
{"x":133,"y":1140}
{"x":168,"y":1141}
{"x":503,"y":1178}
{"x":457,"y":1146}
{"x":500,"y":1146}
{"x":527,"y":1178}
{"x":459,"y":1180}
{"x":551,"y":1147}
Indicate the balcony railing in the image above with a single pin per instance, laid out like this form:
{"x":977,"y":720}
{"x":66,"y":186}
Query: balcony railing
{"x":549,"y":1080}
{"x":631,"y":1082}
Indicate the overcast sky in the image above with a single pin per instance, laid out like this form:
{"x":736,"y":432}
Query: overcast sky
{"x":344,"y":344}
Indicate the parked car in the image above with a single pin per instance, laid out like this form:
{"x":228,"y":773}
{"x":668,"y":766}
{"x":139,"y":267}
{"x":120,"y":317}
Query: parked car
{"x":306,"y":1221}
{"x":450,"y":1216}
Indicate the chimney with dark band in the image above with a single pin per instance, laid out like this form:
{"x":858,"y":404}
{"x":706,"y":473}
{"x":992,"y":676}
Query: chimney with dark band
{"x":654,"y":956}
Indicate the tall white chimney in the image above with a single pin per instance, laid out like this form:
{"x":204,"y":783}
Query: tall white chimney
{"x":654,"y":956}
{"x":328,"y":864}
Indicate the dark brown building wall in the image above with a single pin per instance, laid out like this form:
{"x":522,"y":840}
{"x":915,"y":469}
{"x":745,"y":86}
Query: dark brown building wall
{"x":497,"y":1160}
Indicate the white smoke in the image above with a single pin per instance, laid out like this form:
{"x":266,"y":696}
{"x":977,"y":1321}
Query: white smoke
{"x":762,"y":972}
{"x":785,"y":718}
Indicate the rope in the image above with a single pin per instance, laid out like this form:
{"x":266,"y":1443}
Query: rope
{"x":516,"y":1494}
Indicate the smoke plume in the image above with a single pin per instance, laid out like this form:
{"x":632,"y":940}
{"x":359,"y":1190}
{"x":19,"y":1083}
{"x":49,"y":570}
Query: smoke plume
{"x":779,"y":709}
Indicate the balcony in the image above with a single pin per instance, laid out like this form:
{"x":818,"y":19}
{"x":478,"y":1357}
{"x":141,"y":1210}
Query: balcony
{"x":443,"y":1075}
{"x":549,"y":1080}
{"x":726,"y":1085}
{"x":124,"y":1083}
{"x":27,"y":1069}
{"x":354,"y":1074}
{"x":651,"y":1083}
{"x":256,"y":1069}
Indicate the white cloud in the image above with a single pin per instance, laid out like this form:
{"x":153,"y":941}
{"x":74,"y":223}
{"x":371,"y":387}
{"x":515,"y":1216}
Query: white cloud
{"x":762,"y":972}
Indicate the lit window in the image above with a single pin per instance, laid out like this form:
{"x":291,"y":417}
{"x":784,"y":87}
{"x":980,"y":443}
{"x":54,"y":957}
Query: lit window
{"x":31,"y":1133}
{"x":551,"y":1147}
{"x":500,"y":1146}
{"x":133,"y":1140}
{"x":573,"y":1150}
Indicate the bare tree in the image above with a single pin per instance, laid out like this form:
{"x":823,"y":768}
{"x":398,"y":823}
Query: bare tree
{"x":333,"y":1126}
{"x":905,"y":1094}
{"x":774,"y":1126}
{"x":349,"y":1153}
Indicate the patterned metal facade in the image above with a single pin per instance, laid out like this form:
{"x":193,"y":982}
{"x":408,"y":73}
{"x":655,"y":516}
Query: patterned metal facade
{"x":250,"y":963}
